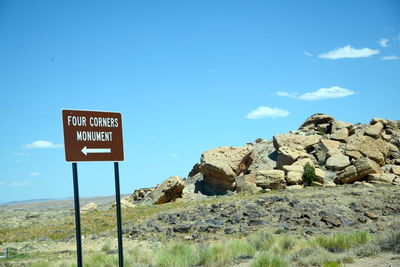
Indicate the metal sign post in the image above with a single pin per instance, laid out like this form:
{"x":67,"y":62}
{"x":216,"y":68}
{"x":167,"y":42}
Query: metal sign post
{"x":119,"y":220}
{"x":77,"y":215}
{"x":93,"y":136}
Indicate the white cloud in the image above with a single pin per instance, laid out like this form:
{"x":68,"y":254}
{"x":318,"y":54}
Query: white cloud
{"x":43,"y":144}
{"x":390,"y":58}
{"x":20,"y":183}
{"x":34,"y":173}
{"x":348,"y":52}
{"x":307,"y":54}
{"x":264,"y":112}
{"x":174,"y":155}
{"x":320,"y":94}
{"x":291,"y":95}
{"x":384,"y":42}
{"x":18,"y":154}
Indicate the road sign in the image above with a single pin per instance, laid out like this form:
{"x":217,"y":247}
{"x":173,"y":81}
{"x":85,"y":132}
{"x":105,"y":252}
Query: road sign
{"x":92,"y":135}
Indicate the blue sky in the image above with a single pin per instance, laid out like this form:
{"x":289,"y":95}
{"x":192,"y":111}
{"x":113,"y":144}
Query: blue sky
{"x":187,"y":76}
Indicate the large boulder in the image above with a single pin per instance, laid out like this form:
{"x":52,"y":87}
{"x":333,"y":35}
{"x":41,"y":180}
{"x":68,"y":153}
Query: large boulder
{"x":246,"y":184}
{"x":337,"y":162}
{"x":141,"y":194}
{"x":374,"y":130}
{"x":361,"y":169}
{"x":315,"y":120}
{"x":271,"y":179}
{"x":375,"y":149}
{"x":220,"y":166}
{"x":263,"y":156}
{"x":296,"y":141}
{"x":168,"y":191}
{"x":326,"y":148}
{"x":90,"y":207}
{"x":381,"y":178}
{"x":287,"y":156}
{"x":340,"y":135}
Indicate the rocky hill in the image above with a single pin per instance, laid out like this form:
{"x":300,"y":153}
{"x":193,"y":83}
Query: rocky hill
{"x":340,"y":152}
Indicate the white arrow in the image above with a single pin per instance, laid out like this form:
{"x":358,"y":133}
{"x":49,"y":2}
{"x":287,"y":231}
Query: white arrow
{"x":86,"y":150}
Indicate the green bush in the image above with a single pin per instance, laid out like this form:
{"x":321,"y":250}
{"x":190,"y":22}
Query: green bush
{"x":340,"y":242}
{"x":268,"y":259}
{"x":179,"y":255}
{"x":308,"y":174}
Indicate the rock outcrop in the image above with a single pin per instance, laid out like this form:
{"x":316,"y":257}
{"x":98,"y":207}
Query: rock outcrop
{"x":168,"y":191}
{"x":90,"y":207}
{"x":340,"y":152}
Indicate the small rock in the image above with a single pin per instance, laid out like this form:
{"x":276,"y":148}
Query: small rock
{"x":371,"y":215}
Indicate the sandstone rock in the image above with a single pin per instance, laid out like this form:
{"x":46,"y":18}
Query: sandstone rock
{"x":125,"y":203}
{"x":375,"y":149}
{"x":396,"y":170}
{"x":295,"y":141}
{"x":141,"y":194}
{"x":317,"y":184}
{"x":336,"y":125}
{"x":320,"y":175}
{"x":340,"y":135}
{"x":246,"y":184}
{"x":379,"y":120}
{"x":374,"y":130}
{"x":272,"y":179}
{"x":90,"y":207}
{"x":287,"y":156}
{"x":169,"y":190}
{"x":337,"y":162}
{"x":381,"y":178}
{"x":293,"y":178}
{"x":316,"y":119}
{"x":293,"y":168}
{"x":354,"y":154}
{"x":361,"y":169}
{"x":263,"y":156}
{"x":220,"y":166}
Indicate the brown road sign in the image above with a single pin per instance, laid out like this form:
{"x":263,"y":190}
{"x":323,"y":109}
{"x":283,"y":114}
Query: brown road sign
{"x":92,"y":135}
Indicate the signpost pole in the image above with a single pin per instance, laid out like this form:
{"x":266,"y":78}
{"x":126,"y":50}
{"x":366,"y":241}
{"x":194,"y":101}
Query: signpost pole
{"x":119,"y":221}
{"x":77,"y":215}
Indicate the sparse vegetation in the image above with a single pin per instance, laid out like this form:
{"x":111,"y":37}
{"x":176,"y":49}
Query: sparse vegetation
{"x":308,"y":174}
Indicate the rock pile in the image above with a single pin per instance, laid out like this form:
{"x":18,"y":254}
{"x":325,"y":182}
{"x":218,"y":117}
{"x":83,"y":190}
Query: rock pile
{"x":340,"y":152}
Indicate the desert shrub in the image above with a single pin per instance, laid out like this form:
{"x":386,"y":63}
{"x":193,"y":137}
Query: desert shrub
{"x":317,"y":256}
{"x":343,"y":241}
{"x":368,"y":249}
{"x":268,"y":259}
{"x":106,"y":247}
{"x":213,"y":255}
{"x":286,"y":242}
{"x":308,"y":174}
{"x":262,"y":241}
{"x":238,"y":248}
{"x":178,"y":255}
{"x":99,"y":259}
{"x":390,"y":241}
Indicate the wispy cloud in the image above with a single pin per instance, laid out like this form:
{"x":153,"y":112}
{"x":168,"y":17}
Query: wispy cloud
{"x":320,"y":94}
{"x":267,"y":112}
{"x":20,"y":183}
{"x":43,"y":144}
{"x":21,"y":154}
{"x":1,"y":183}
{"x":174,"y":155}
{"x":34,"y":173}
{"x":307,"y":54}
{"x":390,"y":58}
{"x":348,"y":52}
{"x":384,"y":42}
